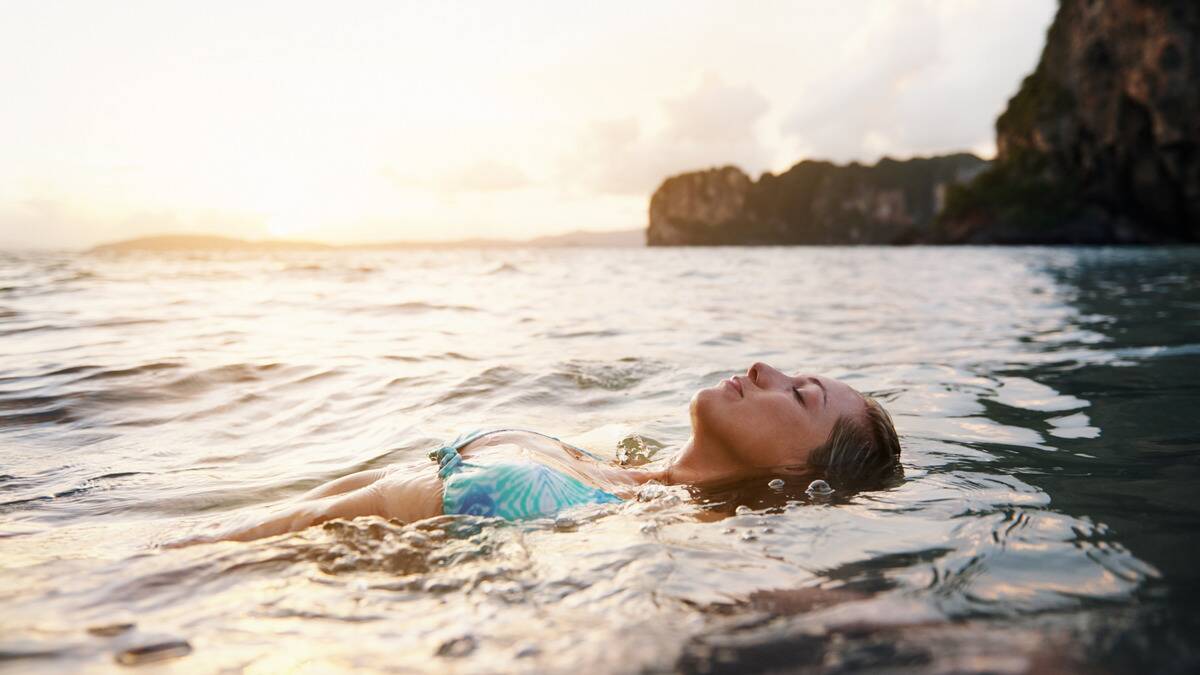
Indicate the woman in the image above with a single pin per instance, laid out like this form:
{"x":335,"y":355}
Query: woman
{"x":760,"y":424}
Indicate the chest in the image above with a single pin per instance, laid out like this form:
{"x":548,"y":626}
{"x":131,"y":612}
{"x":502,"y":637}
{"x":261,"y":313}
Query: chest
{"x":519,"y":446}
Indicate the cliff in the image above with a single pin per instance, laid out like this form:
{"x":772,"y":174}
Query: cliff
{"x":811,"y":203}
{"x":1101,"y":144}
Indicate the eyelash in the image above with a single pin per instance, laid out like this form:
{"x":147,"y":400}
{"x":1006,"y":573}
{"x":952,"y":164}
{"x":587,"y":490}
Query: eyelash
{"x":799,"y":396}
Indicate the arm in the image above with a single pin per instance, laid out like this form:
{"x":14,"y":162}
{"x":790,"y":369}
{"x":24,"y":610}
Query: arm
{"x":410,"y":493}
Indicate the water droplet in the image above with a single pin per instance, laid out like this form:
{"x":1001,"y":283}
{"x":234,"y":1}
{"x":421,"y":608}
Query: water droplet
{"x":819,"y":488}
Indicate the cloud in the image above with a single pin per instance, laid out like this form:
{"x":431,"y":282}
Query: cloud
{"x":715,"y":113}
{"x":918,"y":78}
{"x":486,"y":175}
{"x":712,"y":125}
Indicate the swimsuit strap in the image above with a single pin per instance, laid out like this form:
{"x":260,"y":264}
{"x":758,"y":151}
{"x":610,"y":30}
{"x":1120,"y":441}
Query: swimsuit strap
{"x":449,"y":460}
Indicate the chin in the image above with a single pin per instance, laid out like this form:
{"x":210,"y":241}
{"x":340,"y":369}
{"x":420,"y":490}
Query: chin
{"x":702,"y":406}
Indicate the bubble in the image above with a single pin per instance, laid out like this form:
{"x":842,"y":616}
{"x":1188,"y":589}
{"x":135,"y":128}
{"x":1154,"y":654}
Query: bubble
{"x":776,"y":484}
{"x":743,"y":510}
{"x":819,"y":488}
{"x":565,"y":524}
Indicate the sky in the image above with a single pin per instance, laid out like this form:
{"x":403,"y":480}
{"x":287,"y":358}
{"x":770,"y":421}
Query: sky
{"x":379,"y":121}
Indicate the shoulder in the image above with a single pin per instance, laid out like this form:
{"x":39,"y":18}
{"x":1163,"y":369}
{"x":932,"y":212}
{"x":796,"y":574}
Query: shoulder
{"x":411,"y":491}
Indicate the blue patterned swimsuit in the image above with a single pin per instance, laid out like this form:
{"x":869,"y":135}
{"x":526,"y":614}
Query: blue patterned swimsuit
{"x":509,"y":490}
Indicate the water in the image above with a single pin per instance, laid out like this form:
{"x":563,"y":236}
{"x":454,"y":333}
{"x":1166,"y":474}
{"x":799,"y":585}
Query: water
{"x":1046,"y":399}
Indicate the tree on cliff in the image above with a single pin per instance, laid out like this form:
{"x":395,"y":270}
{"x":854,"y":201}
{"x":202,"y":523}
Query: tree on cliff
{"x":1101,"y":144}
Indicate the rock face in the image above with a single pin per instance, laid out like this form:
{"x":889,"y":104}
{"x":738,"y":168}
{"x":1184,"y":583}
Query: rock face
{"x":1102,"y":142}
{"x":701,"y":207}
{"x":811,"y":203}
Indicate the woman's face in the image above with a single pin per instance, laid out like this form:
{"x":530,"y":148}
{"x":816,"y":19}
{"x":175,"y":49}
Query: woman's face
{"x":768,"y":419}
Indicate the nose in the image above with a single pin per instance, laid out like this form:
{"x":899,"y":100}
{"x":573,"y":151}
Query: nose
{"x":762,"y":375}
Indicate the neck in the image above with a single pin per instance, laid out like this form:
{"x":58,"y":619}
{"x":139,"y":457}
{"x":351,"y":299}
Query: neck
{"x":697,"y":463}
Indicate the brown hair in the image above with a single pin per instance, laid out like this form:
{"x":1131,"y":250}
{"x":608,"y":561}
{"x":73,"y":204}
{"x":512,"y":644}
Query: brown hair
{"x":861,"y":449}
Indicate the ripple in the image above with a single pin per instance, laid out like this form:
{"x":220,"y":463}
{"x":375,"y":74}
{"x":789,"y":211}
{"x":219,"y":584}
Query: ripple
{"x":416,"y":307}
{"x":1043,"y":397}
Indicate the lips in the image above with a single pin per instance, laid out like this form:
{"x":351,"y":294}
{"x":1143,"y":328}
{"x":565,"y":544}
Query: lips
{"x":737,"y":386}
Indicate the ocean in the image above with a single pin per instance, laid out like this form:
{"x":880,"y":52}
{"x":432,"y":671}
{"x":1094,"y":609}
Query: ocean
{"x":1046,"y":400}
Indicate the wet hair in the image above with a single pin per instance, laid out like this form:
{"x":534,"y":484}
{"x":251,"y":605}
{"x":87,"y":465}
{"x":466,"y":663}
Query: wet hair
{"x":862,"y":450}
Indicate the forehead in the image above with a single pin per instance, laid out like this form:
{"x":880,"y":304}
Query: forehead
{"x":841,"y":395}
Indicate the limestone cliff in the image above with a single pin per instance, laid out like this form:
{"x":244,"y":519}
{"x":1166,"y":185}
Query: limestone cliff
{"x":811,"y":203}
{"x":701,"y":207}
{"x":1102,"y":142}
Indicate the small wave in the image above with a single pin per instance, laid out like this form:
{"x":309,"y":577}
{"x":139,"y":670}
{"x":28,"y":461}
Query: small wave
{"x":457,"y":356}
{"x":114,"y":323}
{"x":489,"y":380}
{"x":233,"y":373}
{"x":32,"y":329}
{"x":582,"y":333}
{"x":56,"y":413}
{"x":444,"y":356}
{"x":125,"y":372}
{"x":85,"y":487}
{"x":416,"y":306}
{"x":503,"y":268}
{"x":602,"y":375}
{"x":436,"y":555}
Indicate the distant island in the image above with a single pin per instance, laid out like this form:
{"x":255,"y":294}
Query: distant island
{"x":196,"y":242}
{"x":814,"y":202}
{"x":1101,"y":145}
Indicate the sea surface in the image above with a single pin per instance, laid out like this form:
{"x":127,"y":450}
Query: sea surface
{"x":1048,"y":401}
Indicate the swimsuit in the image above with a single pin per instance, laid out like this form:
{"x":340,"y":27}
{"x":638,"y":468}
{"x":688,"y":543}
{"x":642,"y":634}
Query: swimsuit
{"x":509,"y":490}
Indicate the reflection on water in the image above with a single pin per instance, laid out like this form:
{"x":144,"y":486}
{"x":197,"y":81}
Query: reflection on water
{"x":1045,"y":397}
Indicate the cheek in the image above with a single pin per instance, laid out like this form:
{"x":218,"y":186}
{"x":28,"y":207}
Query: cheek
{"x":708,"y":410}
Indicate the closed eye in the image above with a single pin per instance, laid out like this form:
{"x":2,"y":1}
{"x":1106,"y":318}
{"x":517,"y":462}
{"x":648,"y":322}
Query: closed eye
{"x":799,"y":397}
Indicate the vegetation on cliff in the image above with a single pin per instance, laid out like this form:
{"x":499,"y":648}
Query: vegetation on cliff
{"x":814,"y":202}
{"x":1101,"y":144}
